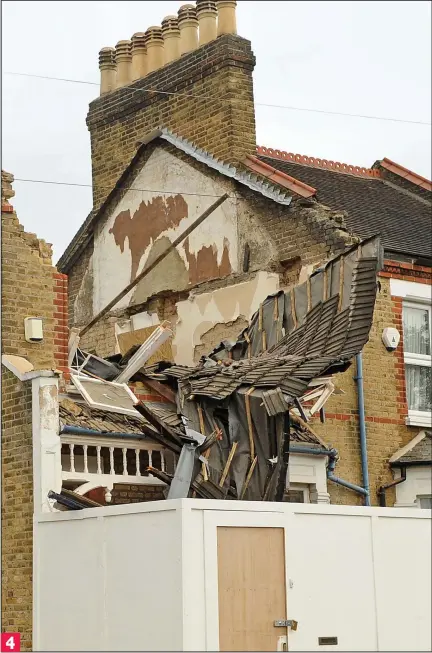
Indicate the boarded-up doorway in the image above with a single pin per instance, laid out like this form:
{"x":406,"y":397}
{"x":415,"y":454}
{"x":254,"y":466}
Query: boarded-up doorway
{"x":252,"y":592}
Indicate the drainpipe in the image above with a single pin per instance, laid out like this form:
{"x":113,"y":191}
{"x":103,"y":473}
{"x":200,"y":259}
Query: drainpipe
{"x":333,"y":456}
{"x":362,"y":424}
{"x":382,"y":490}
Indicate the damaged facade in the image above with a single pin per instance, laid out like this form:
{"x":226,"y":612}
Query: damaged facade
{"x":159,"y":160}
{"x":236,"y":351}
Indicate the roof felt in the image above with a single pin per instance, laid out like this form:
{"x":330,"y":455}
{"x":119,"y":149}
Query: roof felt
{"x":373,"y":205}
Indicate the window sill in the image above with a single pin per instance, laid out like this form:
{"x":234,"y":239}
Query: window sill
{"x":418,"y":419}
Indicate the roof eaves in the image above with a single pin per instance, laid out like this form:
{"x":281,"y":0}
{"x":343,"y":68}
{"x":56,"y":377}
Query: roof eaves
{"x":278,"y":177}
{"x":264,"y":188}
{"x":251,"y":181}
{"x":408,"y":175}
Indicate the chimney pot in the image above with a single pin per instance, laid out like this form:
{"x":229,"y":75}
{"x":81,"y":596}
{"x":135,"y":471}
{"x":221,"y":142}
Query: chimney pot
{"x":155,"y":48}
{"x":139,"y":56}
{"x":207,"y":20}
{"x":188,"y":25}
{"x":227,"y":23}
{"x":123,"y":59}
{"x":171,"y":37}
{"x":107,"y":67}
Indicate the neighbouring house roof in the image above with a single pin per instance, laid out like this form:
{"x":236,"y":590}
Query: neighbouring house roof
{"x":260,"y":185}
{"x":416,"y":452}
{"x":374,"y":204}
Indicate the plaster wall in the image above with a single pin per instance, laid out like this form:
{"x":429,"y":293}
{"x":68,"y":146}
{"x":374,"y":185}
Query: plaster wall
{"x":200,"y":313}
{"x":147,"y":219}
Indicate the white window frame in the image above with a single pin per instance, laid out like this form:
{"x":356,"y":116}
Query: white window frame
{"x":418,"y":417}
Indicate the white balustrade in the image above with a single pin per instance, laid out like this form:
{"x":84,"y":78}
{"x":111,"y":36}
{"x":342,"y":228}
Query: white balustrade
{"x":107,"y":461}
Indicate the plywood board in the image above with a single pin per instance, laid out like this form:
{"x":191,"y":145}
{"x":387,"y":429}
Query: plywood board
{"x":251,"y":588}
{"x":128,"y":340}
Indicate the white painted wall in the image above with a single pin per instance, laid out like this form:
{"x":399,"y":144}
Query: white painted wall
{"x":310,"y":471}
{"x":109,"y":583}
{"x":46,"y":441}
{"x":418,"y":482}
{"x":163,"y":171}
{"x":144,"y":577}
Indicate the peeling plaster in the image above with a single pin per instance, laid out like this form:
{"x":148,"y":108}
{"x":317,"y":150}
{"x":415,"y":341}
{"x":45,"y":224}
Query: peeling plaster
{"x":113,"y":264}
{"x":48,"y":403}
{"x":226,"y":331}
{"x":200,"y":313}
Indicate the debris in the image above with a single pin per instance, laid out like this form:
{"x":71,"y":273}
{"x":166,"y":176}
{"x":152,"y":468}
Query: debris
{"x":105,"y":395}
{"x":72,"y":500}
{"x":231,"y":417}
{"x":147,"y":349}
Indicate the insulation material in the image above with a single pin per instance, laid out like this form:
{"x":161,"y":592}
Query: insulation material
{"x":132,"y":338}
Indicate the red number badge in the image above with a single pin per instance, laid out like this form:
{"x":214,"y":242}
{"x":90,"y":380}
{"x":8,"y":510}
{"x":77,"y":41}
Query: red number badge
{"x":10,"y":642}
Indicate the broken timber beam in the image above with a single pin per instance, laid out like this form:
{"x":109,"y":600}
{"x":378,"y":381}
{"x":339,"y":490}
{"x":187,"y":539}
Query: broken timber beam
{"x":150,"y":266}
{"x":165,"y":434}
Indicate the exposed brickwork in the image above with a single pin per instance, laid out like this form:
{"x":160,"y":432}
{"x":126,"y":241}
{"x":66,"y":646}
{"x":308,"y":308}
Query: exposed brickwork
{"x":123,"y":493}
{"x":406,"y":272}
{"x":75,"y":278}
{"x":385,"y":400}
{"x":61,"y":329}
{"x":211,"y":104}
{"x":31,"y":286}
{"x":17,"y":508}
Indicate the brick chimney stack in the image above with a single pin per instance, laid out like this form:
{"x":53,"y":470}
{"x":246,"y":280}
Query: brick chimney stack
{"x":192,"y":74}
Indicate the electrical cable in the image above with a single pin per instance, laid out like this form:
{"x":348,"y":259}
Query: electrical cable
{"x":212,"y":97}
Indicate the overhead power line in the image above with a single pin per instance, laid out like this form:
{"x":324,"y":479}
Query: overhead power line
{"x":213,"y":97}
{"x":141,"y":190}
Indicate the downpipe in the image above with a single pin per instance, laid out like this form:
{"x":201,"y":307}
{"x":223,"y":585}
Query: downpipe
{"x":362,"y":425}
{"x":382,"y":490}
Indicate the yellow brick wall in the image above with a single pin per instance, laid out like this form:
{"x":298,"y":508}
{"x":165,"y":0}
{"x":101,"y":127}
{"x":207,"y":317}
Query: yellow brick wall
{"x":17,"y":509}
{"x":31,"y":286}
{"x":385,"y":408}
{"x":208,"y":100}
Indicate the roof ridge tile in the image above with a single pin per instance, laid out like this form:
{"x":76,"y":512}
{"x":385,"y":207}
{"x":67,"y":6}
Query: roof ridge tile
{"x":316,"y":162}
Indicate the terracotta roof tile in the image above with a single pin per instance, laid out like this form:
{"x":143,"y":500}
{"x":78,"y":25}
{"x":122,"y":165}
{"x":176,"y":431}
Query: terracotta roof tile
{"x":413,"y":177}
{"x":278,"y":177}
{"x":316,"y":162}
{"x":373,"y":203}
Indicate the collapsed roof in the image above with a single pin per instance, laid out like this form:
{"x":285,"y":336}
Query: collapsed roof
{"x":237,"y":410}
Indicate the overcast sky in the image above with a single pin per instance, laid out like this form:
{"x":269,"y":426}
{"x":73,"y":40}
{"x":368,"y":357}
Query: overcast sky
{"x":371,"y":58}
